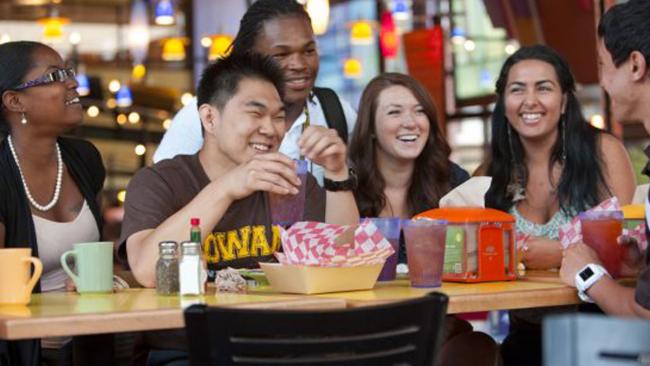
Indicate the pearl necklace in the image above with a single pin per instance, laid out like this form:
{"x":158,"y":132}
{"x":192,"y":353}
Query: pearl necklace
{"x":57,"y":187}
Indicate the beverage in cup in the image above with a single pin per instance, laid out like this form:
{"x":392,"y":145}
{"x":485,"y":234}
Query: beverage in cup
{"x":390,"y":228}
{"x":286,"y":209}
{"x":94,"y":266}
{"x":600,"y":230}
{"x":425,"y":251}
{"x":16,"y":278}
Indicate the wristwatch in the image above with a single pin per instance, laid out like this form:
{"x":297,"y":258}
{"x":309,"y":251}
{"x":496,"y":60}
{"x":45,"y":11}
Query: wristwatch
{"x":342,"y":185}
{"x":586,"y":277}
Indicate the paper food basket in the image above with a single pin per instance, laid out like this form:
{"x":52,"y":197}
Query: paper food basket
{"x":320,"y":258}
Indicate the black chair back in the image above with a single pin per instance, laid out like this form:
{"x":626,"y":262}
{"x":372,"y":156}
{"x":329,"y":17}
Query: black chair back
{"x":402,"y":333}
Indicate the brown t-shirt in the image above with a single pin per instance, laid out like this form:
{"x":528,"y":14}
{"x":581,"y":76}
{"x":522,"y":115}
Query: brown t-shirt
{"x":242,"y":238}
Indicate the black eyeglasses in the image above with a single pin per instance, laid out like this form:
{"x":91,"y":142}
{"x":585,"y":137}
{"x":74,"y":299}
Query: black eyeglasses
{"x":56,"y":75}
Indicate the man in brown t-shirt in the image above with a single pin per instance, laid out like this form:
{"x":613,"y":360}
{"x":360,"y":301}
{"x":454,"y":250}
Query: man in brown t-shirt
{"x":624,"y":58}
{"x":226,"y":184}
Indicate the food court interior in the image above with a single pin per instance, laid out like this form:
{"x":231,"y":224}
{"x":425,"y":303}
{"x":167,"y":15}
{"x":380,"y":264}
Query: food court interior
{"x":138,"y":62}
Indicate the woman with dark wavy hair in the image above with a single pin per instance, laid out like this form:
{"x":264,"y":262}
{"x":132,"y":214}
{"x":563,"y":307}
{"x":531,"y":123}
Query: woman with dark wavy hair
{"x":399,"y":153}
{"x":547,"y":164}
{"x":403,"y":168}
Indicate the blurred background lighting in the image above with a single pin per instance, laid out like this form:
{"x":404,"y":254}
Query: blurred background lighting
{"x":121,"y":119}
{"x":134,"y":118}
{"x":93,"y":111}
{"x":140,"y":150}
{"x":319,"y":12}
{"x":121,"y":196}
{"x":186,"y":98}
{"x":114,"y":85}
{"x":75,"y":38}
{"x":164,"y":12}
{"x":469,"y":45}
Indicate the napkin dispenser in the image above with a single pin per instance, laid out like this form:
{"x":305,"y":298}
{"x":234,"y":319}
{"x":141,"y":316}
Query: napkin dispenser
{"x":480,"y":244}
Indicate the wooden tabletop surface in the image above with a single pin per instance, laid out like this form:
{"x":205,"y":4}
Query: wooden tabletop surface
{"x":66,"y":314}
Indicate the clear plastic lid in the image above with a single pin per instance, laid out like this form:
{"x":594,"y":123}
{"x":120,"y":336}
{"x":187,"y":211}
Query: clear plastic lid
{"x":423,"y":221}
{"x":601,"y":215}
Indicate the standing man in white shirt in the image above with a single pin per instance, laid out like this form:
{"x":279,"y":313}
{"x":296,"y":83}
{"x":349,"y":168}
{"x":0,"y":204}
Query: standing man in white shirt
{"x":280,"y":29}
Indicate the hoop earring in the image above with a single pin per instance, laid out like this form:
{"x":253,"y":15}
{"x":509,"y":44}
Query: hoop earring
{"x":23,"y":120}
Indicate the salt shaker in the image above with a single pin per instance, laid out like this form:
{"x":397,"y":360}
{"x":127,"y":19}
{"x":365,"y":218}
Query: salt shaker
{"x":191,"y":270}
{"x":167,"y":269}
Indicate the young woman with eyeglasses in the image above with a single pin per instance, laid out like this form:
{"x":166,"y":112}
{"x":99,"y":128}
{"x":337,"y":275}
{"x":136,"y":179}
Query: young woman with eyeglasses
{"x":49,"y":186}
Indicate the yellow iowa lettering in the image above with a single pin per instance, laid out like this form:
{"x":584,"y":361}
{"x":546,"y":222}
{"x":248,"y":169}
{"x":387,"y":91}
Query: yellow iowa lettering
{"x":276,"y":239}
{"x":225,"y":247}
{"x":259,"y":241}
{"x":240,"y":241}
{"x":210,"y":250}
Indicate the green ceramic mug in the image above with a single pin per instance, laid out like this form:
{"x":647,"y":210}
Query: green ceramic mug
{"x":94,"y":265}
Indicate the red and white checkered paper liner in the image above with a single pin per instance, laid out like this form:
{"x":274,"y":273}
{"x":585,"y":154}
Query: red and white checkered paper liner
{"x":571,"y":232}
{"x":313,"y":244}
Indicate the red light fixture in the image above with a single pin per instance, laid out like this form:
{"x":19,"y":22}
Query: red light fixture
{"x":388,"y":38}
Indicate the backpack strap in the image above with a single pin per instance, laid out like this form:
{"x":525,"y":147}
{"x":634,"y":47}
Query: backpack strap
{"x":333,"y":111}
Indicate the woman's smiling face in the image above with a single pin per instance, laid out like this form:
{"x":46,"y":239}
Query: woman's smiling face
{"x":401,"y":125}
{"x":534,"y":100}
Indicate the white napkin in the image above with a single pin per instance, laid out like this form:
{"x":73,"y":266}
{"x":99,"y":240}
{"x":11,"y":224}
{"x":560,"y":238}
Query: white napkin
{"x":469,"y":194}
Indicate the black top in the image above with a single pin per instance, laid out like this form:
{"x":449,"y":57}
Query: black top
{"x":458,"y":175}
{"x":86,"y":168}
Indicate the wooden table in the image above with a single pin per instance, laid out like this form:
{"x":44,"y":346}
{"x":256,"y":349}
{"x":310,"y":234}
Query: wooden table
{"x":67,"y":314}
{"x":464,"y":298}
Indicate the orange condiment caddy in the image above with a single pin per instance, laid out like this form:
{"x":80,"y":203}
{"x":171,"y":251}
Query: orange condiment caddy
{"x":480,"y":244}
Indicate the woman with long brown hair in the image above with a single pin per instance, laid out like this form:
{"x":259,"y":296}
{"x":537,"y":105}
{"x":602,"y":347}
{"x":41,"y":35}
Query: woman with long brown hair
{"x":403,"y":167}
{"x":398,"y":150}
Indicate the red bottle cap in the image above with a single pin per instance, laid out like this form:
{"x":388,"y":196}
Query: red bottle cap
{"x":195,"y":221}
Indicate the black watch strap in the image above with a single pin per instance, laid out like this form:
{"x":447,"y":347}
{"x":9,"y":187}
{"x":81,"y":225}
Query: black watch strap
{"x":342,"y":185}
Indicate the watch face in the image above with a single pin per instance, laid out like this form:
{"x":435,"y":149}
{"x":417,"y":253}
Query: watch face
{"x":586,"y":273}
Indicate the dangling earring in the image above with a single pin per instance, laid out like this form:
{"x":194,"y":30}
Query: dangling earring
{"x":514,"y":188}
{"x":512,"y":150}
{"x":23,"y":120}
{"x":563,"y":121}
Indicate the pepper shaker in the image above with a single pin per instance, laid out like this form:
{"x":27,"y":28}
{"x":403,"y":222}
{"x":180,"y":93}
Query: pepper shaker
{"x":167,"y":269}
